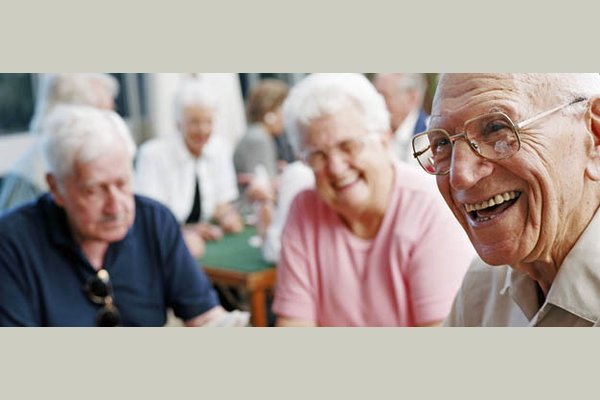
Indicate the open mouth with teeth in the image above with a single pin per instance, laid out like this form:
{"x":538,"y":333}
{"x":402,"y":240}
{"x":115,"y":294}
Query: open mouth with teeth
{"x":492,"y":207}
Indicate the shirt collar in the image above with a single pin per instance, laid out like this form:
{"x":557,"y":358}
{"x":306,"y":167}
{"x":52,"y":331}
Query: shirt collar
{"x":60,"y":231}
{"x":576,"y":285}
{"x":185,"y":154}
{"x":181,"y":148}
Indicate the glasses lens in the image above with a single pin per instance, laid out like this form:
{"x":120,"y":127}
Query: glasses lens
{"x":108,"y":316}
{"x":99,"y":291}
{"x":347,"y":149}
{"x":351,"y":147}
{"x":433,"y":150}
{"x":493,"y":136}
{"x":315,"y":159}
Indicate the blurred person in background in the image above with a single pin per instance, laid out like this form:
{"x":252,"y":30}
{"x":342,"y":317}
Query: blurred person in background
{"x":258,"y":147}
{"x":91,"y":253}
{"x":404,"y":95}
{"x":192,"y":172}
{"x":265,"y":116}
{"x":295,"y":178}
{"x":25,"y":180}
{"x":255,"y":157}
{"x":373,"y":245}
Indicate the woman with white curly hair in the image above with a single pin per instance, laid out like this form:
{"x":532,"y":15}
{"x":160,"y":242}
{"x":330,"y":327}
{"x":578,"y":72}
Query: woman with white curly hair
{"x":373,"y":244}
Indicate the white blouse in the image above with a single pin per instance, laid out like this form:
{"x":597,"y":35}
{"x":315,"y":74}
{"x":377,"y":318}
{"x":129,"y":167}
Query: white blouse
{"x":165,"y":171}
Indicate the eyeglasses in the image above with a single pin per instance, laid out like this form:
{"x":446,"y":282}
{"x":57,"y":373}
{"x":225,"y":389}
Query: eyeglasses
{"x":347,"y":149}
{"x":99,"y":291}
{"x":492,"y":136}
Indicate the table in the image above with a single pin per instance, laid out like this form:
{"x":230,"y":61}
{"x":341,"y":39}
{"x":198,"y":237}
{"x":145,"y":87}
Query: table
{"x":232,"y":261}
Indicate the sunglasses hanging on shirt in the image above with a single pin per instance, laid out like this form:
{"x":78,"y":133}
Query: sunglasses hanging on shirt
{"x":99,"y":291}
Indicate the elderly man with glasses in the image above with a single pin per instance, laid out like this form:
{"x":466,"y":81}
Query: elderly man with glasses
{"x":90,"y":253}
{"x":517,"y":159}
{"x":373,"y":245}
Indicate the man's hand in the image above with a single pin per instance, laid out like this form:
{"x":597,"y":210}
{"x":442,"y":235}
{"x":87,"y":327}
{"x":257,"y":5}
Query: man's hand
{"x":208,"y":231}
{"x":193,"y":241}
{"x":259,"y":191}
{"x":229,"y":219}
{"x":217,"y":317}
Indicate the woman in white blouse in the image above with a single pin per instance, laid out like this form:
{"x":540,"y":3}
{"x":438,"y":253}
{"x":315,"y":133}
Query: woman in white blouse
{"x":192,"y":173}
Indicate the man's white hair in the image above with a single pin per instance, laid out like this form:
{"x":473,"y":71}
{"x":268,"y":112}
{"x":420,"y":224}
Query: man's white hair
{"x":193,"y":92}
{"x":81,"y":133}
{"x":78,"y":88}
{"x":320,"y":95}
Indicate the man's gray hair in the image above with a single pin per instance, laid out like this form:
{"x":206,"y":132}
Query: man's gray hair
{"x":80,"y":133}
{"x":320,"y":95}
{"x":193,"y":92}
{"x":413,"y":82}
{"x":77,"y":88}
{"x":408,"y":81}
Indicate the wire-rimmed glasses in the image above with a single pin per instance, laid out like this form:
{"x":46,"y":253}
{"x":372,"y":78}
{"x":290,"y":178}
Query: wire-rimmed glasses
{"x":493,"y":136}
{"x":347,"y":149}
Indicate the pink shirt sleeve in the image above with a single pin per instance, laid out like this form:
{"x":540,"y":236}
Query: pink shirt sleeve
{"x":438,"y":263}
{"x":294,"y":292}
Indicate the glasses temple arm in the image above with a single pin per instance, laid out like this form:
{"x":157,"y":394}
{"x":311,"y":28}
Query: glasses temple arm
{"x":528,"y":121}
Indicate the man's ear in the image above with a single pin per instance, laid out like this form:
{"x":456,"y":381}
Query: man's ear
{"x":592,"y":120}
{"x":54,"y":189}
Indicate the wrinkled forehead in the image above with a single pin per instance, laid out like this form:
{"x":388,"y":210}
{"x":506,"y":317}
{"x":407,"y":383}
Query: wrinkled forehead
{"x":460,"y":97}
{"x":104,"y":167}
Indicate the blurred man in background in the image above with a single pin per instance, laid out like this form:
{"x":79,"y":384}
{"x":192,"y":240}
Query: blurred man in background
{"x":403,"y":94}
{"x":26,"y":180}
{"x":90,"y":253}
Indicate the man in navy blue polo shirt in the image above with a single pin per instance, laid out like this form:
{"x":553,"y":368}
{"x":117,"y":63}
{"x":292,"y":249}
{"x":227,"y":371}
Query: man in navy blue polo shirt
{"x":91,"y":253}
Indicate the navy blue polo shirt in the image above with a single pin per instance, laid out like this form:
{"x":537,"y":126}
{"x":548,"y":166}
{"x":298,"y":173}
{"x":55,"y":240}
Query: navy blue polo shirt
{"x":43,"y":271}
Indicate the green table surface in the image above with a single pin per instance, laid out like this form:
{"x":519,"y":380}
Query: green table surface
{"x":235,"y":253}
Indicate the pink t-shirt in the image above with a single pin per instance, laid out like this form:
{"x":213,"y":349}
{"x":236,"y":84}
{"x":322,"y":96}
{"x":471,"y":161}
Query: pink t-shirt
{"x":407,"y":275}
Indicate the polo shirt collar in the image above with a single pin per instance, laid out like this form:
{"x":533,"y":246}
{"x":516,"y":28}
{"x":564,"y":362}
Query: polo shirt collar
{"x":60,"y":231}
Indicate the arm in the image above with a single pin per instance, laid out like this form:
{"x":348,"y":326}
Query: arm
{"x":193,"y":240}
{"x":296,"y":295}
{"x":296,"y":178}
{"x":228,"y":218}
{"x":16,"y":190}
{"x":16,"y":294}
{"x":440,"y":258}
{"x":188,"y":290}
{"x":218,"y":317}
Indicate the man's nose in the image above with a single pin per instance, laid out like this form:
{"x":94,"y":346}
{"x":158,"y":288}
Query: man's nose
{"x":467,"y":168}
{"x":111,"y":202}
